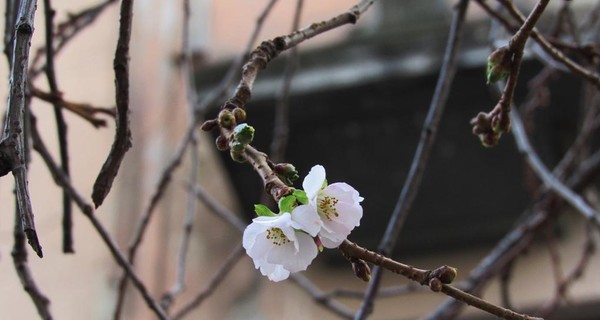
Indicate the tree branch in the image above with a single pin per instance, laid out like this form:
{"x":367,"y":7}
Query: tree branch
{"x":12,"y":146}
{"x":122,"y":141}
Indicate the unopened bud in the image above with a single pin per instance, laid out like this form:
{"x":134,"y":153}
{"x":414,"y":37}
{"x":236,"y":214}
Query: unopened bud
{"x":361,"y":269}
{"x":447,"y":274}
{"x":435,"y":284}
{"x":208,"y":125}
{"x":237,"y":146}
{"x":226,"y":119}
{"x":499,"y":65}
{"x":221,"y":143}
{"x":286,"y":172}
{"x":501,"y":122}
{"x":239,"y":114}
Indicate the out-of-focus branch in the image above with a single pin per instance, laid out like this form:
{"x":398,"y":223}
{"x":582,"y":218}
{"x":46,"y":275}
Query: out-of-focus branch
{"x":84,"y":110}
{"x":12,"y":146}
{"x":168,"y":172}
{"x":281,"y":127}
{"x":19,"y":255}
{"x":547,"y":177}
{"x":67,"y":30}
{"x":419,"y":162}
{"x":61,"y":126}
{"x":213,"y":283}
{"x":122,"y":141}
{"x":88,"y":211}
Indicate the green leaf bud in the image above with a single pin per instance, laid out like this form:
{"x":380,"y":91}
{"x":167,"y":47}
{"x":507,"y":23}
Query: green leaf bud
{"x":499,"y":65}
{"x":243,"y":133}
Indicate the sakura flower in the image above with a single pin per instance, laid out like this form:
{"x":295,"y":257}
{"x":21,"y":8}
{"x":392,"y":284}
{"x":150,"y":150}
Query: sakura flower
{"x":338,"y":205}
{"x":277,"y":246}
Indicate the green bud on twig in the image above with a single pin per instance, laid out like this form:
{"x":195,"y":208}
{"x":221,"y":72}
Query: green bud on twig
{"x":243,"y":133}
{"x":499,"y":65}
{"x":286,"y":172}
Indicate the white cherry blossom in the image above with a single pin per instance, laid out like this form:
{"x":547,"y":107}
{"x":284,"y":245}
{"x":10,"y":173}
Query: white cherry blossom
{"x":338,"y":205}
{"x":277,"y":245}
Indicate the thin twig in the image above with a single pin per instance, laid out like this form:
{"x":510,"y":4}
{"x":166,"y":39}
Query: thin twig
{"x":213,"y":283}
{"x":428,"y":133}
{"x":321,"y":298}
{"x":425,"y":277}
{"x":588,"y":250}
{"x":61,"y":127}
{"x":84,"y":110}
{"x":556,"y":54}
{"x":67,"y":30}
{"x":12,"y":146}
{"x":515,"y":241}
{"x":190,"y":212}
{"x":19,"y":255}
{"x":88,"y":210}
{"x":547,"y":177}
{"x":168,"y":172}
{"x":281,"y":127}
{"x":122,"y":141}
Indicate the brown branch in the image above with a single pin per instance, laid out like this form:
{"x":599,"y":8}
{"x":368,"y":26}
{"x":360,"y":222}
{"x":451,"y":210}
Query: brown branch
{"x":12,"y":146}
{"x":122,"y":141}
{"x":84,"y":110}
{"x":61,"y":127}
{"x":490,"y":126}
{"x":268,"y":50}
{"x":556,"y":54}
{"x":443,"y":274}
{"x":19,"y":255}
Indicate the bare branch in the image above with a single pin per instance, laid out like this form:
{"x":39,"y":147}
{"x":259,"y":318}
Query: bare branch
{"x":12,"y":146}
{"x":122,"y":141}
{"x":19,"y":255}
{"x":428,"y":133}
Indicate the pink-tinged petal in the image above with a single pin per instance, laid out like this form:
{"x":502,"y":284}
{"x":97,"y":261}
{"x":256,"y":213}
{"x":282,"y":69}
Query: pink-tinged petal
{"x":349,"y":214}
{"x":333,"y":242}
{"x":282,"y":254}
{"x":343,"y":191}
{"x":332,"y":239}
{"x":314,"y":181}
{"x":306,"y":218}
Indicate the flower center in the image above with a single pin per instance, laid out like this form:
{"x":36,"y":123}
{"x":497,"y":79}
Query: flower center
{"x":277,"y":236}
{"x":326,"y":206}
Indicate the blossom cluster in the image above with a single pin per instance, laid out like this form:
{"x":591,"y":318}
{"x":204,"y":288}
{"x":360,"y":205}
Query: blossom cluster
{"x":319,"y":216}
